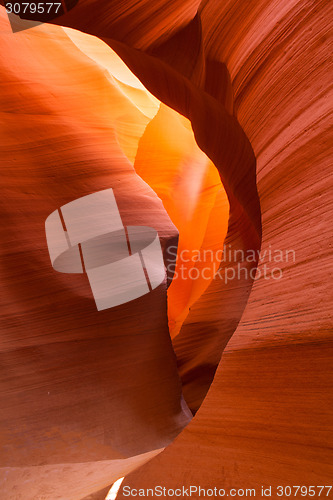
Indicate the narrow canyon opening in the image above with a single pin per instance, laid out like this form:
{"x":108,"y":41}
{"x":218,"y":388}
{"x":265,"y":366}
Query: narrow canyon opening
{"x":207,"y":186}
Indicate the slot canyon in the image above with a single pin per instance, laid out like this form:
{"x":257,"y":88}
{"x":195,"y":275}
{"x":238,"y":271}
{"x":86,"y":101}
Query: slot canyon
{"x":209,"y":122}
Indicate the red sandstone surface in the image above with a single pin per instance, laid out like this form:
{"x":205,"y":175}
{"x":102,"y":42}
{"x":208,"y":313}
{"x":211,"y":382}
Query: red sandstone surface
{"x":87,"y":396}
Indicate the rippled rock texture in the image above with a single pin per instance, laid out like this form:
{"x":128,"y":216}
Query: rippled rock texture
{"x":87,"y":396}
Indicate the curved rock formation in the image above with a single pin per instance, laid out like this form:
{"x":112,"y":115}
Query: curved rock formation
{"x":79,"y":386}
{"x":252,"y":79}
{"x":267,"y":418}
